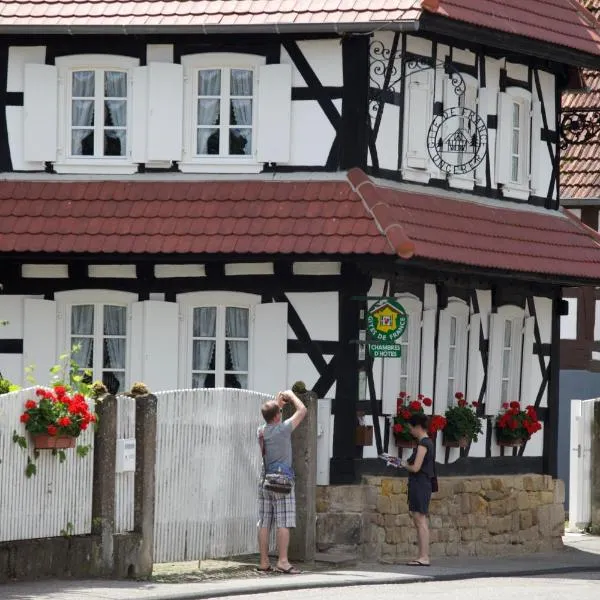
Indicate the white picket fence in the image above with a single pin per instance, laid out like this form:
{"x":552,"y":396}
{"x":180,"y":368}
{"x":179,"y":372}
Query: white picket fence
{"x":58,"y":499}
{"x":124,"y":482}
{"x":580,"y":478}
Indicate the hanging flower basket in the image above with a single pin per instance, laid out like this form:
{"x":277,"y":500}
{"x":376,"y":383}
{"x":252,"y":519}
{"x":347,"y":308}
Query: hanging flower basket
{"x":461,"y":442}
{"x":514,"y":425}
{"x":44,"y":441}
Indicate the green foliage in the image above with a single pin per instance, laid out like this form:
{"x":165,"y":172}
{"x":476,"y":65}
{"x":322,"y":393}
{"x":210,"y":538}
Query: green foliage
{"x":462,"y":422}
{"x":6,"y":386}
{"x":31,"y":468}
{"x":83,"y":451}
{"x":299,"y":387}
{"x":68,"y":530}
{"x":19,"y":440}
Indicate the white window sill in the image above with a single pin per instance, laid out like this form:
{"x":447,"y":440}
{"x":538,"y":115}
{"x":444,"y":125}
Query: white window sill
{"x":95,"y":168}
{"x":420,"y":176}
{"x":461,"y":182}
{"x":515,"y":191}
{"x":218,"y":166}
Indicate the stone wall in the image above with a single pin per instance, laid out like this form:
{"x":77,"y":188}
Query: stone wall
{"x":478,"y":516}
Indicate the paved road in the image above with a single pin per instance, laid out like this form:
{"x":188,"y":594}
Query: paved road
{"x":580,"y":586}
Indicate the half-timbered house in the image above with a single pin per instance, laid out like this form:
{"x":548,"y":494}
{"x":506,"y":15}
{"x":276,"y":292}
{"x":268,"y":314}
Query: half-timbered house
{"x":206,"y":194}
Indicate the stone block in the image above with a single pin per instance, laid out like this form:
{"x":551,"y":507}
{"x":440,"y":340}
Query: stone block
{"x":523,"y":501}
{"x":467,"y":549}
{"x":452,"y":549}
{"x":337,"y":528}
{"x":346,"y":498}
{"x":498,"y":485}
{"x":437,"y":549}
{"x":387,"y":487}
{"x":545,"y":497}
{"x":384,"y":505}
{"x":525,"y":519}
{"x":438,"y":507}
{"x":435,"y":522}
{"x":491,"y":495}
{"x":559,"y":492}
{"x":471,"y":534}
{"x":399,"y":486}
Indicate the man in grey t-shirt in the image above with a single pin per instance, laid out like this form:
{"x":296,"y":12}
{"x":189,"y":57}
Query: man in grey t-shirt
{"x":275,"y":438}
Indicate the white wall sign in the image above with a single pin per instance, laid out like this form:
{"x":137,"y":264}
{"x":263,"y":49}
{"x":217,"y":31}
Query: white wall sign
{"x":125,"y":455}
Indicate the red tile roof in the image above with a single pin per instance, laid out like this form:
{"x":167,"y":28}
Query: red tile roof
{"x":561,"y":22}
{"x":354,"y":217}
{"x":580,"y":166}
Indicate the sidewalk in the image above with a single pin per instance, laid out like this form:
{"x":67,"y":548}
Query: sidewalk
{"x":581,"y":554}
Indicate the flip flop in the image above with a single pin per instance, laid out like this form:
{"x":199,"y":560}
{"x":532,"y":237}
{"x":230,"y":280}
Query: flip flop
{"x":417,"y":563}
{"x":289,"y":571}
{"x":267,"y":570}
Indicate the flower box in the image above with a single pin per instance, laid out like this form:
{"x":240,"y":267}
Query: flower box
{"x":402,"y":443}
{"x":510,"y":443}
{"x":364,"y":435}
{"x":462,"y":442}
{"x":44,"y":441}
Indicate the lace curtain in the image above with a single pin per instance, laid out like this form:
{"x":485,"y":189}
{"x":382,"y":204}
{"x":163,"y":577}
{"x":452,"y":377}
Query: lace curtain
{"x":115,"y":113}
{"x":204,"y":326}
{"x":236,"y":326}
{"x":82,"y":332}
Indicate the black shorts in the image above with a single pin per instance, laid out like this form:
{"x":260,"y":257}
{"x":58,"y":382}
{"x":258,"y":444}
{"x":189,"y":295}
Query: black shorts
{"x":419,"y":494}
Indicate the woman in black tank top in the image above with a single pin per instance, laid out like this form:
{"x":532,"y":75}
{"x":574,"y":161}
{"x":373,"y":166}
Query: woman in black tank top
{"x":420,"y":471}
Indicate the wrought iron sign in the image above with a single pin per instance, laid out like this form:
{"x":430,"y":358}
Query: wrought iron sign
{"x":457,"y":140}
{"x":579,"y":126}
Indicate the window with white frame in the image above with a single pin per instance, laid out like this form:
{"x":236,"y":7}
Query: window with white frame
{"x":513,"y":143}
{"x":506,"y":347}
{"x":220,"y":347}
{"x":95,"y":110}
{"x":452,"y":351}
{"x":98,"y":332}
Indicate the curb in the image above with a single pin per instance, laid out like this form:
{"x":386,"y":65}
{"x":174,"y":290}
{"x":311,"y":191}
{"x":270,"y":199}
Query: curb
{"x":388,"y":580}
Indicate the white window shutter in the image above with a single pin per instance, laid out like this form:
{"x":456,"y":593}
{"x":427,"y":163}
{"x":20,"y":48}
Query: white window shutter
{"x":40,"y":113}
{"x":274,"y":114}
{"x":539,"y":152}
{"x":462,"y":336}
{"x":516,"y":356}
{"x":427,"y":354}
{"x":494,"y":379}
{"x":159,"y":343}
{"x":268,"y":360}
{"x":441,"y":375}
{"x":529,"y":363}
{"x":135,"y":339}
{"x":475,"y":371}
{"x":39,"y":338}
{"x":418,"y":118}
{"x":139,"y":125}
{"x":165,"y":112}
{"x":504,"y":138}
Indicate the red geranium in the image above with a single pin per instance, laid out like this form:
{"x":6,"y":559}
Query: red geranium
{"x":57,"y":413}
{"x":462,"y":420}
{"x":405,"y":408}
{"x":427,"y":401}
{"x":436,"y":423}
{"x":513,"y":423}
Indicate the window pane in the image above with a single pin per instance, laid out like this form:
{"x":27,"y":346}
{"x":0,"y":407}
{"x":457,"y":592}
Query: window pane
{"x":114,"y":381}
{"x":236,"y":381}
{"x":515,"y":169}
{"x":82,"y":142}
{"x":203,"y":355}
{"x":209,"y":112}
{"x":453,"y":330}
{"x":515,"y":142}
{"x":115,"y":113}
{"x":203,"y":380}
{"x":115,"y":320}
{"x":241,"y":82}
{"x":516,"y":115}
{"x":83,"y":84}
{"x":240,"y":112}
{"x":507,"y":334}
{"x":236,"y":356}
{"x":115,"y":141}
{"x":84,"y":355}
{"x":114,"y":353}
{"x":115,"y":84}
{"x":504,"y":393}
{"x":205,"y":319}
{"x":208,"y":141}
{"x":236,"y":322}
{"x":82,"y":319}
{"x":209,"y":82}
{"x":82,"y":113}
{"x":451,"y":354}
{"x":240,"y":141}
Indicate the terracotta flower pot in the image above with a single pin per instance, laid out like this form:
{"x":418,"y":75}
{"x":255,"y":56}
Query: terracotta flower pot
{"x":510,"y":443}
{"x":43,"y":441}
{"x":462,"y":442}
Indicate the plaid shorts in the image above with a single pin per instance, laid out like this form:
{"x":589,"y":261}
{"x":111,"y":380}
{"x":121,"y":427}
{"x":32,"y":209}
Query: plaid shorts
{"x":274,"y":506}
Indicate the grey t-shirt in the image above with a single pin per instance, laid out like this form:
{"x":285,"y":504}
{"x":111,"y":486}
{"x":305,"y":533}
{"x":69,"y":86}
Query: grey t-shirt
{"x":278,"y":443}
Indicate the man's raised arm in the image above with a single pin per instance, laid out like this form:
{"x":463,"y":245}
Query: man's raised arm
{"x":301,"y":411}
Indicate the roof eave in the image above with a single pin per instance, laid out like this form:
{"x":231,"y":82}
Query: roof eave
{"x":579,"y":202}
{"x":272,"y":28}
{"x":510,"y":42}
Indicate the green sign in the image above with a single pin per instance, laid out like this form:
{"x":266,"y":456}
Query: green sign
{"x":386,"y":322}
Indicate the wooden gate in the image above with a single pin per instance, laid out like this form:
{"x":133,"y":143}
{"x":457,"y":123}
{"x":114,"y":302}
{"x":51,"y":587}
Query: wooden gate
{"x":207,"y":470}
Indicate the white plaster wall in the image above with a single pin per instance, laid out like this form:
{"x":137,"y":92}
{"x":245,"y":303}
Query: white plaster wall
{"x":311,"y":133}
{"x":319,"y":312}
{"x":300,"y":368}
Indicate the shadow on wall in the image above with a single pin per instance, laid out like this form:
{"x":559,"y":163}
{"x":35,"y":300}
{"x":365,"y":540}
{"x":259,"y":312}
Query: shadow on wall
{"x":574,"y":385}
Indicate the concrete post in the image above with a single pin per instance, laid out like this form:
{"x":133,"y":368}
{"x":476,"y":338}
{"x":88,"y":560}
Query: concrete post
{"x":304,"y":447}
{"x":144,"y":491}
{"x":103,"y":502}
{"x":595,"y":486}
